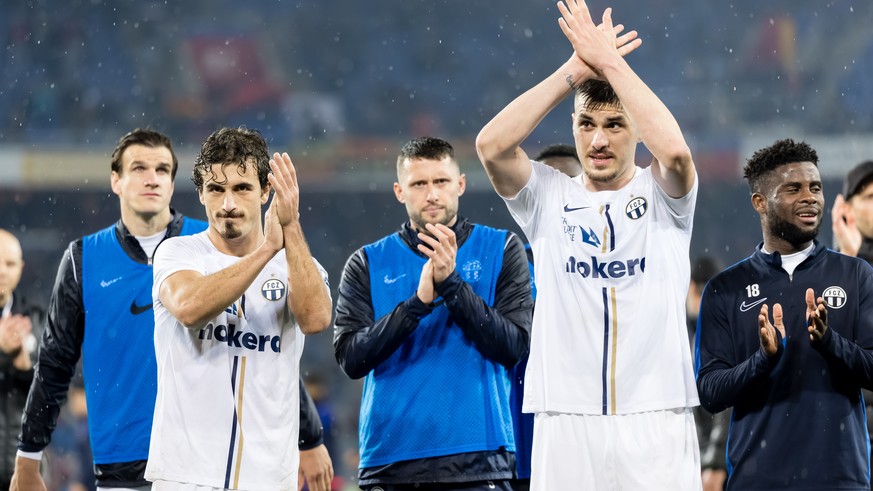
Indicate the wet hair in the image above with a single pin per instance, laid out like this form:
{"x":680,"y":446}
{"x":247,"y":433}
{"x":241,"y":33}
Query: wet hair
{"x":781,"y":152}
{"x":425,"y":147}
{"x":232,"y":146}
{"x":597,"y":94}
{"x":146,"y":138}
{"x":557,"y":150}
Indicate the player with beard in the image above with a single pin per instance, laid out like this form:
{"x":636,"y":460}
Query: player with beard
{"x":610,"y":376}
{"x":784,"y":338}
{"x":434,"y":317}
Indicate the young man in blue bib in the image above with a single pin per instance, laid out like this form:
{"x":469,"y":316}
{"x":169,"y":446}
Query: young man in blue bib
{"x":101,"y":311}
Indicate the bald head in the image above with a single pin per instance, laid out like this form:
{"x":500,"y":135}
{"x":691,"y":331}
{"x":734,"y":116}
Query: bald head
{"x":11,"y":264}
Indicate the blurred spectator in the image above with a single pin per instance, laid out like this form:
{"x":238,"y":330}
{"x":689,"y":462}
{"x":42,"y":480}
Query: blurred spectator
{"x":852,"y":213}
{"x":69,"y":457}
{"x":852,"y":223}
{"x":19,"y":323}
{"x":711,"y":428}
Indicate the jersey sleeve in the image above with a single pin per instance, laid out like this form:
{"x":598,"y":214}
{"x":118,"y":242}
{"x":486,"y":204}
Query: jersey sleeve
{"x":525,"y":205}
{"x":174,"y":255}
{"x":680,"y":210}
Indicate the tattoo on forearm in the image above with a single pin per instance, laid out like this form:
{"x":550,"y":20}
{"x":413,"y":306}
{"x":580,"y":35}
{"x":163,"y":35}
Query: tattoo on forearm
{"x":574,"y":86}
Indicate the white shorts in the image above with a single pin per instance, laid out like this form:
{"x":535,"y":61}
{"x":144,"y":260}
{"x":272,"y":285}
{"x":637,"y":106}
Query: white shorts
{"x":654,"y":450}
{"x":181,"y":486}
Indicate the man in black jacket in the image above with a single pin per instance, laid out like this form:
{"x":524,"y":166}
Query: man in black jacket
{"x":18,"y":322}
{"x":852,"y":213}
{"x":852,"y":225}
{"x":107,"y":320}
{"x":434,"y":316}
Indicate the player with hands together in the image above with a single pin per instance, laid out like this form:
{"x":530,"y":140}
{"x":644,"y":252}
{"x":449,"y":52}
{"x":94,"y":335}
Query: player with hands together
{"x":771,"y":334}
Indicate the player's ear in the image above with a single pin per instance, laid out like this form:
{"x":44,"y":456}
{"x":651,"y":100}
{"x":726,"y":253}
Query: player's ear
{"x":398,"y":193}
{"x":265,"y":193}
{"x":113,"y":181}
{"x":462,"y":184}
{"x":759,"y":203}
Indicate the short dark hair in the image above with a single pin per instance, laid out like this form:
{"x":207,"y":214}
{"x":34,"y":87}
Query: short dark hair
{"x":781,"y":152}
{"x":426,"y":147}
{"x":232,"y":146}
{"x":145,"y":137}
{"x":598,"y":94}
{"x":557,"y":150}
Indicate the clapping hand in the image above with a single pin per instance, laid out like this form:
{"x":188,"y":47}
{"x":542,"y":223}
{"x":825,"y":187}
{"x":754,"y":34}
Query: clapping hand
{"x":767,"y":332}
{"x":816,"y":315}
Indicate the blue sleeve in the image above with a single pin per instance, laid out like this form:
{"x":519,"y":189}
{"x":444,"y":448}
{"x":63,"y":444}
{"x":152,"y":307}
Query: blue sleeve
{"x":724,"y":377}
{"x":855,"y":358}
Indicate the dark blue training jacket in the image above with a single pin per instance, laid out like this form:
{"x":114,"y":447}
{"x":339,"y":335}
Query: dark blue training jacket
{"x":799,"y":420}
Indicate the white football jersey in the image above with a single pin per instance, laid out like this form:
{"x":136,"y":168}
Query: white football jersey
{"x":227,"y":411}
{"x":612,"y":273}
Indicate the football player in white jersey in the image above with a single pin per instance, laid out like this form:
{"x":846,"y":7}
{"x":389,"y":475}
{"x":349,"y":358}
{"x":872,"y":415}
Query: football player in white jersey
{"x":609,"y":377}
{"x":230,"y":313}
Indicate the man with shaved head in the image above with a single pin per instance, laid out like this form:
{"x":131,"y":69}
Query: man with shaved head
{"x":17,"y":344}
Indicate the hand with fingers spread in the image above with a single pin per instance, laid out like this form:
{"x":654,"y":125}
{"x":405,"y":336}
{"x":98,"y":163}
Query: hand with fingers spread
{"x":596,"y":45}
{"x":846,"y":232}
{"x":283,"y":180}
{"x":816,"y":315}
{"x":441,"y":247}
{"x":768,"y":332}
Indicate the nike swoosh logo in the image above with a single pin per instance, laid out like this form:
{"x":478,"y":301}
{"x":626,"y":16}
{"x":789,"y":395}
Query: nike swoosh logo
{"x":105,"y":283}
{"x":746,"y":308}
{"x":136,"y":309}
{"x":389,"y":281}
{"x":567,"y":208}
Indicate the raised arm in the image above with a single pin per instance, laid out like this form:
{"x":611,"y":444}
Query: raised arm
{"x":672,"y":166}
{"x":194,"y":298}
{"x":498,"y":144}
{"x":309,"y":296}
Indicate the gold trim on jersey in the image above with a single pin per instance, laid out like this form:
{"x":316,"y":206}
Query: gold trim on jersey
{"x":614,"y":336}
{"x":239,"y":408}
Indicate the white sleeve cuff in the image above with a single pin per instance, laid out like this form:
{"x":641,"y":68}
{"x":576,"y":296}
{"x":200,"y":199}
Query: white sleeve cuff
{"x":29,"y":455}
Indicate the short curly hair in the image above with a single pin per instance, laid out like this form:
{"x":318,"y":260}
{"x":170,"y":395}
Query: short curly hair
{"x":781,"y":152}
{"x":232,"y":146}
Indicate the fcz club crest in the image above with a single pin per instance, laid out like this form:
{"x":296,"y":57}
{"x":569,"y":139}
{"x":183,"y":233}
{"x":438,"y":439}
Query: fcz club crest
{"x":834,"y":297}
{"x":636,"y":207}
{"x":273,"y":289}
